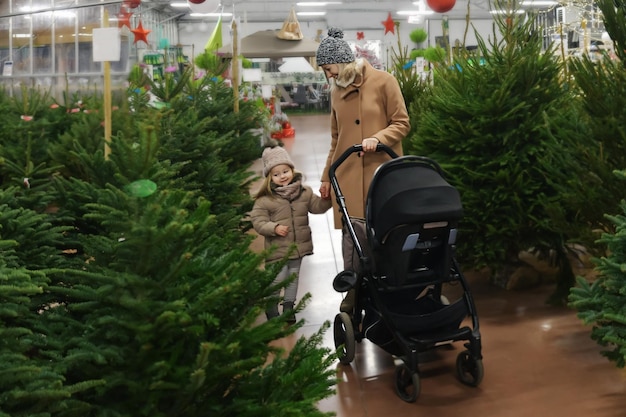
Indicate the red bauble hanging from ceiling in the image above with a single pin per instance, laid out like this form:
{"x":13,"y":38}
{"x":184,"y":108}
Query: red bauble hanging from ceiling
{"x":441,"y":6}
{"x":197,"y":1}
{"x":132,"y":4}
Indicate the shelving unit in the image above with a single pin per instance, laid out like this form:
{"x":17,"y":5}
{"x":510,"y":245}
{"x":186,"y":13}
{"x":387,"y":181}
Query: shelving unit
{"x":157,"y":61}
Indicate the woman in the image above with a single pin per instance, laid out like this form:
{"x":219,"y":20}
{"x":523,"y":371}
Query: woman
{"x":367,"y":108}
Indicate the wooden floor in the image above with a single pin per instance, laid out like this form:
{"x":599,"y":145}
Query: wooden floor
{"x":539,"y":360}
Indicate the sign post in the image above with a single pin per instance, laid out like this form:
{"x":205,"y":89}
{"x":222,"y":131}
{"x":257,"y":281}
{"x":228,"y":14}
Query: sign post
{"x":106,"y":48}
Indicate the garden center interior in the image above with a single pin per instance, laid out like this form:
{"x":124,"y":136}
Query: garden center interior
{"x":49,"y":42}
{"x":539,"y":360}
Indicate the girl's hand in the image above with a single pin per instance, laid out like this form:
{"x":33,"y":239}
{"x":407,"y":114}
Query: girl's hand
{"x":325,"y":190}
{"x":281,"y":230}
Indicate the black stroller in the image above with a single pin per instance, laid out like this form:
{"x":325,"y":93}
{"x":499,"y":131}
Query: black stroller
{"x":406,"y":252}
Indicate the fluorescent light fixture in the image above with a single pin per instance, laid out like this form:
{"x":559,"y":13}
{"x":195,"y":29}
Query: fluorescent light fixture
{"x":506,"y":11}
{"x":47,"y":11}
{"x":414,"y":12}
{"x":21,"y":35}
{"x":210,"y":14}
{"x":179,"y":4}
{"x":311,"y":13}
{"x":539,"y":3}
{"x":316,"y":3}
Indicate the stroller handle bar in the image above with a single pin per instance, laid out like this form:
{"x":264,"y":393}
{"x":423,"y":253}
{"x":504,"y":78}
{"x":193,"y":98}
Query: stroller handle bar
{"x":341,"y":200}
{"x":358,"y":148}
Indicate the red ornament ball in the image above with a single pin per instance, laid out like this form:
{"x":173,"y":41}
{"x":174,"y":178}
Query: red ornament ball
{"x":441,"y":6}
{"x":132,"y":4}
{"x":197,"y":1}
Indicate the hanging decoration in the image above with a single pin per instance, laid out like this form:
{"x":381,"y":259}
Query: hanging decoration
{"x":123,"y":17}
{"x":140,"y":33}
{"x":215,"y":40}
{"x":203,"y":6}
{"x":441,"y":6}
{"x":360,"y":36}
{"x":141,"y":188}
{"x":132,"y":4}
{"x":291,"y":28}
{"x":389,"y":24}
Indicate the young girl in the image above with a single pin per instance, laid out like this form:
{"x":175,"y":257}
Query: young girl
{"x":281,"y":214}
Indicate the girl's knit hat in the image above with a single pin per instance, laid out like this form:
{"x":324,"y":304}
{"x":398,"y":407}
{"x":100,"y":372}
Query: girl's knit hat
{"x":273,"y":157}
{"x":333,"y":49}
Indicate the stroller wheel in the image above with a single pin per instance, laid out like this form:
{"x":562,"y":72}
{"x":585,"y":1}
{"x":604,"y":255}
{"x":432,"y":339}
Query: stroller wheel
{"x":344,"y":338}
{"x":469,"y":370}
{"x":408,"y":384}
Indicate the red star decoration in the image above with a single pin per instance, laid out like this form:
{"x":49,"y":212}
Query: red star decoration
{"x":140,"y":33}
{"x":360,"y":36}
{"x":390,"y":25}
{"x":123,"y":18}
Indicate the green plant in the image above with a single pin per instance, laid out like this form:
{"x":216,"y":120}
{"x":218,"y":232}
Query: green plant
{"x":212,"y":63}
{"x":600,"y":304}
{"x":411,"y":83}
{"x":508,"y":136}
{"x":435,"y":54}
{"x":418,"y":35}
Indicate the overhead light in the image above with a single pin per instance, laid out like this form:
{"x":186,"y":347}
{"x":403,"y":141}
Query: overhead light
{"x":179,"y":4}
{"x":316,"y":3}
{"x":311,"y":13}
{"x":539,"y":3}
{"x":414,"y":12}
{"x":210,"y":14}
{"x":415,"y":19}
{"x":506,"y":11}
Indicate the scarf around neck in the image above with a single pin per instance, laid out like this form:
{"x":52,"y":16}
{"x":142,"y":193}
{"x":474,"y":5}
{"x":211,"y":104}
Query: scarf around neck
{"x":290,"y":191}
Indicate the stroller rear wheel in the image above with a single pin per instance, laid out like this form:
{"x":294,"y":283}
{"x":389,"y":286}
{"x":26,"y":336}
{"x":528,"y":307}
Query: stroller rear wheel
{"x":469,"y":369}
{"x":408,"y":384}
{"x":344,"y":338}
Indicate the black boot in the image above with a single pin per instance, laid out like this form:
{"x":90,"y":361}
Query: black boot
{"x":272,"y":312}
{"x":288,"y":308}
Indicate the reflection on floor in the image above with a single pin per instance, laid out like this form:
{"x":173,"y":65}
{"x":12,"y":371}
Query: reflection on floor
{"x":539,"y":360}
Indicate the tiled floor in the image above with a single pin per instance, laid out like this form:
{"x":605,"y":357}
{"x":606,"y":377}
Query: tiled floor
{"x":539,"y":360}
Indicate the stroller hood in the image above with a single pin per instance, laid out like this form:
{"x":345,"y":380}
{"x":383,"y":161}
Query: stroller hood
{"x":409,"y":192}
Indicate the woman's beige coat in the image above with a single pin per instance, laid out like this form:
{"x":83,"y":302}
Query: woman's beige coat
{"x":269,"y":211}
{"x":372,"y":106}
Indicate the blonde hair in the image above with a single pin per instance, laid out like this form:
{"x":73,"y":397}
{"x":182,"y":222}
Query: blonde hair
{"x":266,"y":188}
{"x":348,"y":73}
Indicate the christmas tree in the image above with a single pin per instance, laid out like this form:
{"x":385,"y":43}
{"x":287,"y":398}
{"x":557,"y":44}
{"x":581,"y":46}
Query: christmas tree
{"x":600,"y":303}
{"x":506,"y":132}
{"x":130,"y":288}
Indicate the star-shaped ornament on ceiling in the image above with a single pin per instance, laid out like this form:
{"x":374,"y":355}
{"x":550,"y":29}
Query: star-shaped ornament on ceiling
{"x":140,"y":33}
{"x":123,"y":17}
{"x":360,"y":36}
{"x":390,"y":25}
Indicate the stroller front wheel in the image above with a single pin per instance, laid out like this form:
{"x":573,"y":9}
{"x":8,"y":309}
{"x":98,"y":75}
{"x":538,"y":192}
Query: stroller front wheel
{"x":408,"y":384}
{"x":469,"y":369}
{"x":344,"y":338}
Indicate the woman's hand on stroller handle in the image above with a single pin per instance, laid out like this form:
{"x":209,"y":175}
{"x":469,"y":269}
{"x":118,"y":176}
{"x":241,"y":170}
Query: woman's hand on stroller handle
{"x":370,"y":145}
{"x":359,"y":148}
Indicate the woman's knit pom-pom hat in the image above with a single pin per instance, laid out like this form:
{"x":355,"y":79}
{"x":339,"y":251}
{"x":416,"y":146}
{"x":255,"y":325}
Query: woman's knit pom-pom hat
{"x":333,"y":49}
{"x":273,"y":157}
